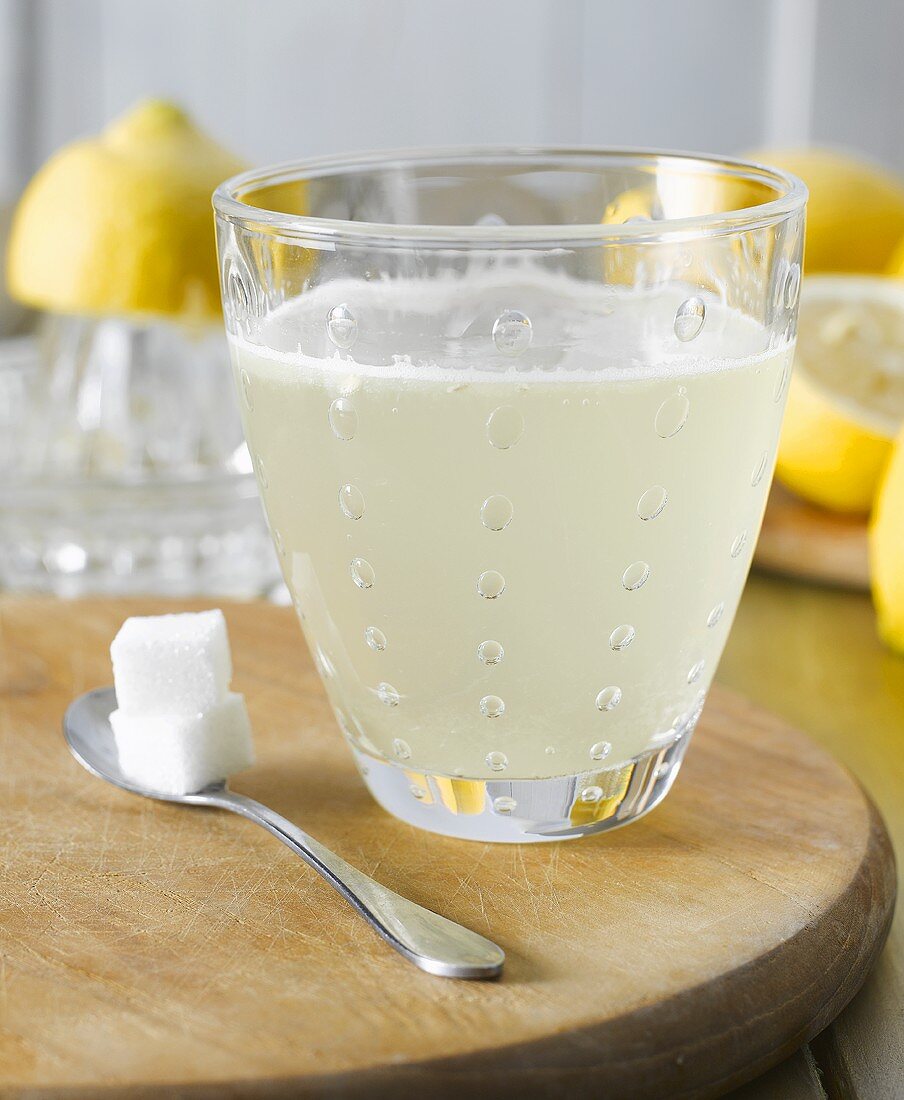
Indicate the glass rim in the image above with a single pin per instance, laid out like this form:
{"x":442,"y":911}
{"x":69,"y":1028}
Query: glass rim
{"x":790,"y":198}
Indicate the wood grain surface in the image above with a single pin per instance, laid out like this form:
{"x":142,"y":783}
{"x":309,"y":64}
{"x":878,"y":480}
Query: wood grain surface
{"x":800,"y":540}
{"x":146,"y":946}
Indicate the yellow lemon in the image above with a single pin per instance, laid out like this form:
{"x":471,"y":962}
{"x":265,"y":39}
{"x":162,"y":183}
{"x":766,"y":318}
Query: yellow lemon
{"x":462,"y":796}
{"x":826,"y":458}
{"x":122,"y":223}
{"x":886,"y":547}
{"x":855,"y":213}
{"x":634,"y":203}
{"x":846,"y":400}
{"x":896,"y":264}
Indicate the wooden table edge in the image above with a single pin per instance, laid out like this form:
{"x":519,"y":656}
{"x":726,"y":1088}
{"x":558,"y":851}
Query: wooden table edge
{"x":546,"y":1066}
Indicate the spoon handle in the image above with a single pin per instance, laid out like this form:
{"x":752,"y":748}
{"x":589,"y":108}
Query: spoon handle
{"x":434,"y":943}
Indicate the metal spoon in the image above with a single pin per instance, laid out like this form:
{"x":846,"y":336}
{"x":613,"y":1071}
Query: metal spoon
{"x":430,"y":941}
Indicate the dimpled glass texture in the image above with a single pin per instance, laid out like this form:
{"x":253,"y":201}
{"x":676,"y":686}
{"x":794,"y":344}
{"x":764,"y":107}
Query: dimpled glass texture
{"x":514,"y":416}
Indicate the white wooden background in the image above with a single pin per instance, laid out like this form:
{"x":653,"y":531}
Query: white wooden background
{"x":277,"y":79}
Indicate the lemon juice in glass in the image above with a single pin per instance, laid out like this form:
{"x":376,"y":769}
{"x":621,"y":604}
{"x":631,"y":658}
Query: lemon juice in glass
{"x":513,"y":416}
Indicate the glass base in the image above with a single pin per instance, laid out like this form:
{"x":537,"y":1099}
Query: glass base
{"x":519,"y":811}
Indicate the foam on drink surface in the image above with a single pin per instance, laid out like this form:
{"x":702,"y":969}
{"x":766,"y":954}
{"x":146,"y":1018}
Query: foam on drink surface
{"x":580,"y":507}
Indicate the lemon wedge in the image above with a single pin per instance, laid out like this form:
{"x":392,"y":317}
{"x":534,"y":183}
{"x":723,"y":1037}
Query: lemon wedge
{"x":122,"y":223}
{"x":846,"y":400}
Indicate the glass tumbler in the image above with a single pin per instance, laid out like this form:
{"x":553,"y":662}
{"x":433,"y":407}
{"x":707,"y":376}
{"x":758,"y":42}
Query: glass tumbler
{"x":513,"y":414}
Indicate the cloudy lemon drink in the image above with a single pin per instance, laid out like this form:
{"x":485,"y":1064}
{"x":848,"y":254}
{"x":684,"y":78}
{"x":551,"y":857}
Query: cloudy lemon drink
{"x":502,"y":570}
{"x":514,"y":498}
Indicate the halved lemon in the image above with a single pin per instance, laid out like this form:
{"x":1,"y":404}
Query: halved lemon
{"x":846,"y":401}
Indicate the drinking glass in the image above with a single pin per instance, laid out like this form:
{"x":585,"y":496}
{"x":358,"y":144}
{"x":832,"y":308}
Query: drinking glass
{"x":513,"y":414}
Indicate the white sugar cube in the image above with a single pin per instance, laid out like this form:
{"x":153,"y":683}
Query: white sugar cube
{"x":171,"y":664}
{"x":178,"y":754}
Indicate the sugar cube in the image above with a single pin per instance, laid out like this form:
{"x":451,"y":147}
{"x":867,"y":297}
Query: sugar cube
{"x":179,"y":754}
{"x":171,"y":664}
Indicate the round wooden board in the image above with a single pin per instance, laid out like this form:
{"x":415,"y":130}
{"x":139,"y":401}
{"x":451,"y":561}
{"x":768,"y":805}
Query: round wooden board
{"x":146,"y":944}
{"x":809,"y":543}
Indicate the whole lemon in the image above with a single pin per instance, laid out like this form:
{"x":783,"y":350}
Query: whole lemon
{"x":855,"y":212}
{"x":896,"y":263}
{"x":886,"y":547}
{"x":122,"y":223}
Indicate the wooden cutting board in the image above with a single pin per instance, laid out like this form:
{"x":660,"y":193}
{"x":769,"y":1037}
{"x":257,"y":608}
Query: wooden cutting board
{"x":147,"y":945}
{"x":809,"y":543}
